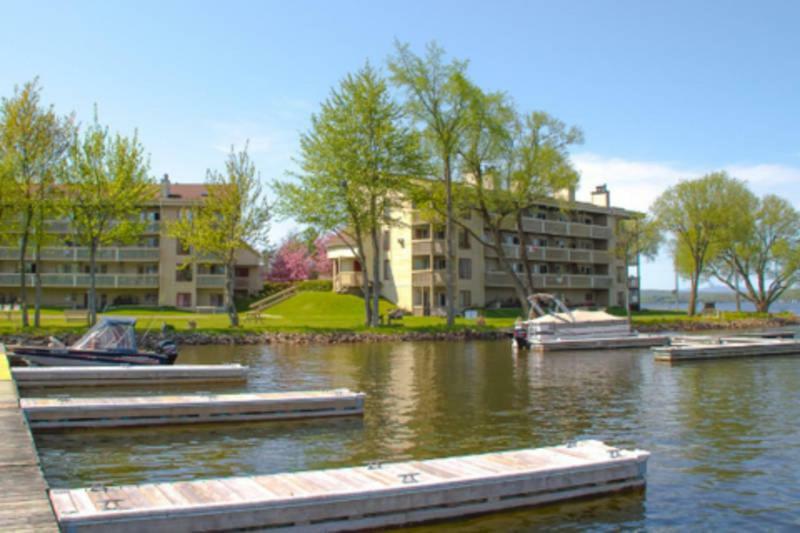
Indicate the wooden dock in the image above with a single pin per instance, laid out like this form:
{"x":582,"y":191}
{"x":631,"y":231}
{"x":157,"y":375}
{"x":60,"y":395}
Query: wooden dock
{"x":600,"y":343}
{"x":726,"y":347}
{"x":369,"y":497}
{"x":107,"y":376}
{"x":189,"y":409}
{"x":24,"y":505}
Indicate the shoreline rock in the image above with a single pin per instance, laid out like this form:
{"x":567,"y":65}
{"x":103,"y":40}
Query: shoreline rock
{"x":199,"y":338}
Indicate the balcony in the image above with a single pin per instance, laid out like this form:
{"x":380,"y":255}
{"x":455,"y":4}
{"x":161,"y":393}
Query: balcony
{"x":209,"y":281}
{"x":571,"y":229}
{"x":121,"y":281}
{"x":70,"y":253}
{"x":552,"y":281}
{"x":347,"y":280}
{"x":424,"y":278}
{"x":428,"y":247}
{"x":550,"y":253}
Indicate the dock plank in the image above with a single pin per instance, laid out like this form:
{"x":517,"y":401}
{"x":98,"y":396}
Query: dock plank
{"x":109,"y":376}
{"x":358,"y":498}
{"x":724,"y":348}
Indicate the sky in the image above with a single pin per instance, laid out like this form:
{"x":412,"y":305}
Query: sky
{"x":663,"y":91}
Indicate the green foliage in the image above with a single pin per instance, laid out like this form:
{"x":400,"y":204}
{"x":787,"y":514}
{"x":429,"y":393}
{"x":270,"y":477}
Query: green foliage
{"x":760,"y":258}
{"x":106,"y":182}
{"x":274,"y":287}
{"x":701,"y":215}
{"x":318,"y":285}
{"x":234,"y":214}
{"x":354,"y":160}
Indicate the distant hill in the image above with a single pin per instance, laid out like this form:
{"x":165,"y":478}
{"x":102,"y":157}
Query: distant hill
{"x":710,"y":294}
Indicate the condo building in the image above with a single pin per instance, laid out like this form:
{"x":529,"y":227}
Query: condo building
{"x":570,"y":250}
{"x":156,"y":271}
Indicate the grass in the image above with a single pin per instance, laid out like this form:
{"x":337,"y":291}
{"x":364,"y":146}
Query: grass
{"x":318,"y":312}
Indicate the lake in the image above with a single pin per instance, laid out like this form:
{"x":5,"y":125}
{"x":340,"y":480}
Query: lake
{"x":724,"y":435}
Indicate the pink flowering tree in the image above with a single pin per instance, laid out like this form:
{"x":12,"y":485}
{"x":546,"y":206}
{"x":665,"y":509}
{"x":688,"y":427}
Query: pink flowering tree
{"x":291,"y":262}
{"x":323,"y":266}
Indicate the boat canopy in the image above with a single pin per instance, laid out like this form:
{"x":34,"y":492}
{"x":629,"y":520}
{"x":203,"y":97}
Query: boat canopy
{"x":110,"y":335}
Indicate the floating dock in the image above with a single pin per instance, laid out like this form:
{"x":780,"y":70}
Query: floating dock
{"x":24,"y":505}
{"x":346,"y":499}
{"x":101,"y":376}
{"x":600,"y":343}
{"x":189,"y":409}
{"x":725,"y":347}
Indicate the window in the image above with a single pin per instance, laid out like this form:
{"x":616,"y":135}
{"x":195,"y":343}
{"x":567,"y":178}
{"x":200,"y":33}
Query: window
{"x":242,"y":272}
{"x":466,"y":298}
{"x":387,"y":270}
{"x":589,"y":297}
{"x":217,"y":300}
{"x":421,"y":262}
{"x":464,"y":268}
{"x":183,"y":299}
{"x":147,"y":269}
{"x":387,"y":240}
{"x":439,"y":263}
{"x":439,"y":233}
{"x":183,"y":274}
{"x":422,"y":233}
{"x":442,"y":297}
{"x":180,"y":249}
{"x":463,"y":240}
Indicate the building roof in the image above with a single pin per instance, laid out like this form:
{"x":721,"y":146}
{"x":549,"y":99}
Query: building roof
{"x":188,"y":191}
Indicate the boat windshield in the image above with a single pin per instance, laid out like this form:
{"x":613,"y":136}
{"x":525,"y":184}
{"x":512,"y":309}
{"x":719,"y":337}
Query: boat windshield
{"x":109,"y":336}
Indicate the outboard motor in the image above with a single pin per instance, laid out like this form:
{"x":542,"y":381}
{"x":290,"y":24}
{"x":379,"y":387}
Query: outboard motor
{"x":168,"y":349}
{"x":521,"y":335}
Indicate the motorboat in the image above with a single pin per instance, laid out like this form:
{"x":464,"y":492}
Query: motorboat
{"x":553,"y":325}
{"x":112,"y":341}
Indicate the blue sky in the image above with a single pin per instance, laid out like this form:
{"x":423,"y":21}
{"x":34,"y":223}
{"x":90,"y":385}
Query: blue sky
{"x":663,"y":91}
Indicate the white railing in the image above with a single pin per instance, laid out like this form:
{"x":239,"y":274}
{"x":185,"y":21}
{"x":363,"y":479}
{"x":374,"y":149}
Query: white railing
{"x":83,"y":280}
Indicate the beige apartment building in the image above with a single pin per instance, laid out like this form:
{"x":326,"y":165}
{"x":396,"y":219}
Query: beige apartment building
{"x":570,"y":250}
{"x":147,"y":274}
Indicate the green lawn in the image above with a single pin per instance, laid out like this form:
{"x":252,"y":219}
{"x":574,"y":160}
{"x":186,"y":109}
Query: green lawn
{"x":330,"y":312}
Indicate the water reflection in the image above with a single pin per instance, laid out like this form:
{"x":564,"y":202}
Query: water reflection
{"x":724,"y":434}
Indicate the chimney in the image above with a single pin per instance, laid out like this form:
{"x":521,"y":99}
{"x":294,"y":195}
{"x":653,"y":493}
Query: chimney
{"x":566,"y":194}
{"x":601,"y":196}
{"x":165,"y":192}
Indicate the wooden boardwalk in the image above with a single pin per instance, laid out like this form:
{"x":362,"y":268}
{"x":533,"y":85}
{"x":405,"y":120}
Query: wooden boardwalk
{"x":373,"y":496}
{"x":155,"y":375}
{"x":726,"y":347}
{"x":24,"y":505}
{"x":189,"y":409}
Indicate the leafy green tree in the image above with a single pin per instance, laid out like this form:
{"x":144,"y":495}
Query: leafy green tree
{"x":106,"y":183}
{"x":701,"y":215}
{"x":764,"y":254}
{"x":355,"y":160}
{"x":234,"y":214}
{"x":438,"y":98}
{"x":33,"y":143}
{"x":636,"y":237}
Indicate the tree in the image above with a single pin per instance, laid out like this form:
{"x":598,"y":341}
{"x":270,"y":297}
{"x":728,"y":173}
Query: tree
{"x":438,"y":97}
{"x":636,"y":237}
{"x":106,"y":183}
{"x":33,"y":143}
{"x":765,"y":255}
{"x":234,"y":214}
{"x":354,"y":161}
{"x":291,"y":261}
{"x":322,"y":266}
{"x":701,"y":214}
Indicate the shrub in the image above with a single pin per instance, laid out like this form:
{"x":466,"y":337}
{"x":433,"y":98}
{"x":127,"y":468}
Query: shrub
{"x":274,"y":287}
{"x":317,"y":285}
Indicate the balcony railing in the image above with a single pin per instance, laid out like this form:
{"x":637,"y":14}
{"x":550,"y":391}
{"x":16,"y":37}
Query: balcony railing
{"x":428,"y":247}
{"x":547,"y":281}
{"x":347,"y":280}
{"x":551,"y":253}
{"x":84,"y":280}
{"x":425,"y":278}
{"x":211,"y":280}
{"x":571,"y":229}
{"x":70,"y":253}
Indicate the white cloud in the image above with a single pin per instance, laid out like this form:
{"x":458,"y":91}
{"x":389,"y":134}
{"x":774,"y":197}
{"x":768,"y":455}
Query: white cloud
{"x":636,"y":184}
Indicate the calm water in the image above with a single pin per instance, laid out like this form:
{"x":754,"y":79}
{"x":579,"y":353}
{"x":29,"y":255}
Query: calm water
{"x":724,"y":435}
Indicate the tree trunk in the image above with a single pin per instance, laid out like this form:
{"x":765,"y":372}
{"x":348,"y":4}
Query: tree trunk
{"x":627,"y":290}
{"x":23,"y":291}
{"x":365,"y":290}
{"x":694,"y":280}
{"x":450,"y":288}
{"x":37,"y":279}
{"x":762,"y":306}
{"x":519,"y":287}
{"x":233,"y":315}
{"x":92,"y":283}
{"x":376,"y":284}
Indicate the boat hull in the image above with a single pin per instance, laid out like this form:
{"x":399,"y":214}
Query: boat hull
{"x":49,"y":357}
